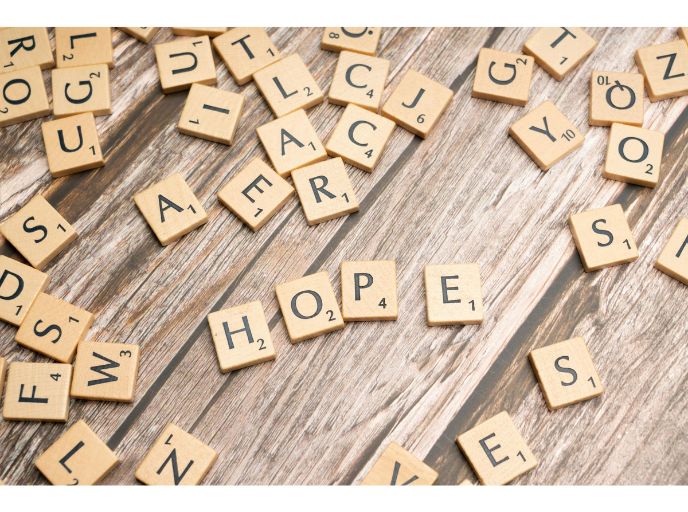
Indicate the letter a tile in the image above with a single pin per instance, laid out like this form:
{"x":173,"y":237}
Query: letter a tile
{"x":369,"y":290}
{"x":19,"y":287}
{"x":105,"y":371}
{"x":673,"y":260}
{"x":72,"y":145}
{"x":245,"y":51}
{"x":25,"y":47}
{"x":23,"y":96}
{"x":453,"y":294}
{"x":37,"y":392}
{"x":634,"y":155}
{"x":503,"y":76}
{"x":665,"y":67}
{"x":396,"y":466}
{"x":558,"y":50}
{"x":183,"y":62}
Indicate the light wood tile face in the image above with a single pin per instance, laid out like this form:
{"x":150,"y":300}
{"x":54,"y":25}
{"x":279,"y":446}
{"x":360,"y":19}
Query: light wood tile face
{"x":616,"y":98}
{"x":54,"y":328}
{"x":603,"y":237}
{"x":665,"y":67}
{"x":683,"y":32}
{"x":78,"y":457}
{"x":369,"y":290}
{"x":546,"y":135}
{"x":673,"y":260}
{"x":82,"y":46}
{"x":19,"y":287}
{"x":245,"y":51}
{"x":558,"y":50}
{"x":503,"y":76}
{"x":396,"y":466}
{"x":291,"y":142}
{"x":210,"y":113}
{"x":359,"y":79}
{"x":143,"y":34}
{"x":325,"y":191}
{"x":356,"y":39}
{"x":81,"y":89}
{"x":176,"y":458}
{"x":309,"y":307}
{"x":417,"y":103}
{"x":634,"y":155}
{"x":37,"y":392}
{"x":25,"y":47}
{"x":183,"y":62}
{"x":453,"y":294}
{"x":171,"y":209}
{"x":23,"y":96}
{"x":105,"y":371}
{"x":72,"y":145}
{"x":496,"y":451}
{"x":255,"y":194}
{"x":199,"y":31}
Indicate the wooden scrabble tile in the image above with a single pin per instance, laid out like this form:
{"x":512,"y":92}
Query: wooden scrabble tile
{"x":38,"y":231}
{"x":287,"y":85}
{"x":19,"y":287}
{"x":603,"y":237}
{"x":210,"y":113}
{"x":558,"y":50}
{"x":37,"y":392}
{"x":369,"y":290}
{"x":23,"y":96}
{"x":503,"y":76}
{"x":81,"y":46}
{"x":255,"y":194}
{"x":72,"y":145}
{"x":417,"y":103}
{"x":683,"y":32}
{"x":241,"y":336}
{"x":3,"y":366}
{"x":245,"y":51}
{"x":81,"y":89}
{"x":171,"y":209}
{"x":25,"y":47}
{"x":665,"y":67}
{"x":360,"y":137}
{"x":496,"y":451}
{"x":396,"y":466}
{"x":309,"y":307}
{"x":143,"y":34}
{"x":291,"y":142}
{"x":325,"y":191}
{"x":199,"y":31}
{"x":673,"y":260}
{"x":183,"y":62}
{"x":356,"y":39}
{"x":105,"y":371}
{"x":546,"y":135}
{"x":634,"y":155}
{"x":453,"y":294}
{"x":359,"y":79}
{"x":176,"y":458}
{"x":78,"y":457}
{"x":616,"y":98}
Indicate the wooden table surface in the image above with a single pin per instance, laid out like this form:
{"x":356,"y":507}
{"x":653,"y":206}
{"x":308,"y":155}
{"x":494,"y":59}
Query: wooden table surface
{"x":324,"y":409}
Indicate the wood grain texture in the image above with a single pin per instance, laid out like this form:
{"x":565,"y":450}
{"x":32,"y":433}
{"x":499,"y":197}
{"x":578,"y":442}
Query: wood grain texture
{"x":323,"y":411}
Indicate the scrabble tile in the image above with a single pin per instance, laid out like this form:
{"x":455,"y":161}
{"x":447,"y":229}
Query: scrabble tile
{"x":616,"y":98}
{"x":665,"y":67}
{"x":325,"y":191}
{"x":360,"y":137}
{"x":291,"y":142}
{"x":359,"y":79}
{"x":105,"y":371}
{"x":241,"y":336}
{"x":3,"y":366}
{"x":309,"y":307}
{"x":38,"y":231}
{"x":245,"y":51}
{"x":81,"y":46}
{"x":546,"y":135}
{"x":496,"y":451}
{"x":255,"y":194}
{"x":78,"y":457}
{"x":171,"y":209}
{"x":396,"y":466}
{"x":19,"y":287}
{"x":356,"y":39}
{"x":176,"y":458}
{"x":183,"y":62}
{"x":23,"y":96}
{"x":683,"y":32}
{"x":603,"y":237}
{"x":72,"y":145}
{"x":37,"y":392}
{"x":287,"y":85}
{"x":453,"y":294}
{"x":558,"y":50}
{"x":81,"y":89}
{"x":25,"y":47}
{"x":143,"y":34}
{"x":634,"y":155}
{"x":566,"y":373}
{"x":198,"y":31}
{"x":210,"y":113}
{"x":369,"y":290}
{"x":417,"y":103}
{"x":673,"y":260}
{"x":503,"y":76}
